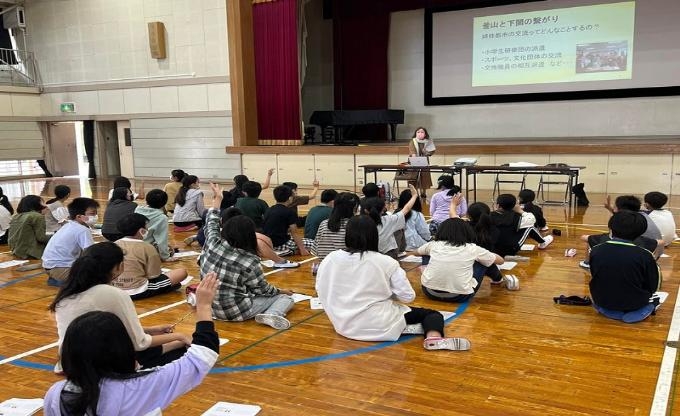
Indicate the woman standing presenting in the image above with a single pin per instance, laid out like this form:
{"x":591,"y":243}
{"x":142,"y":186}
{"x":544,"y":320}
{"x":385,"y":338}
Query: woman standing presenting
{"x":422,"y":145}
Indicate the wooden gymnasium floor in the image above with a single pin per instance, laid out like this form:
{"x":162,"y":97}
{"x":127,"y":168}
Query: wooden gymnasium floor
{"x":529,"y":356}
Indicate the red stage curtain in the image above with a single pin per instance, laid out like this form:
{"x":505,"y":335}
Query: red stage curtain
{"x":275,"y":32}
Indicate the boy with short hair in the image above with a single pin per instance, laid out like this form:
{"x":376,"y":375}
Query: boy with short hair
{"x":319,"y":213}
{"x":650,"y":238}
{"x":526,"y":201}
{"x":514,"y":226}
{"x":66,"y":244}
{"x":301,"y":199}
{"x":663,"y":218}
{"x":279,"y":224}
{"x":624,"y":275}
{"x":251,"y":205}
{"x":142,"y":276}
{"x":157,"y":234}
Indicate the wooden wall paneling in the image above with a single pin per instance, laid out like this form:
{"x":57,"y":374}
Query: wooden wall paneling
{"x":639,"y":174}
{"x":296,"y":168}
{"x":255,"y":167}
{"x":335,"y":171}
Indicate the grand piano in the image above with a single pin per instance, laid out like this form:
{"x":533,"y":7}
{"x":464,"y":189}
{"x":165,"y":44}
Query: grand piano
{"x":342,"y":119}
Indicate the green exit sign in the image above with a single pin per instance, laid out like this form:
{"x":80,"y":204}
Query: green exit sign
{"x":68,"y":107}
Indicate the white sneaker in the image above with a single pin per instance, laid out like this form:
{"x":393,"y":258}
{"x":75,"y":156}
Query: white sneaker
{"x":286,"y":265}
{"x":584,"y":264}
{"x":546,"y":242}
{"x":453,"y":344}
{"x":275,"y":321}
{"x":511,"y":282}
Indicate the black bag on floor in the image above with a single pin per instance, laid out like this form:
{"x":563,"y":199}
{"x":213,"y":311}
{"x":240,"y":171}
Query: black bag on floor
{"x":580,"y":193}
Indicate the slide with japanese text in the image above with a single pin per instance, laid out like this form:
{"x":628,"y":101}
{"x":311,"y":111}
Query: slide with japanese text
{"x":587,"y":43}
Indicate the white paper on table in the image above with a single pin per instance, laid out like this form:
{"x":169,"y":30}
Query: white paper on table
{"x":182,"y":254}
{"x":527,"y":247}
{"x":299,"y":297}
{"x":187,"y":280}
{"x":232,"y":409}
{"x":315,"y":303}
{"x":521,"y":164}
{"x":12,"y":263}
{"x":223,"y":341}
{"x":411,"y":259}
{"x":508,"y":265}
{"x":20,"y":407}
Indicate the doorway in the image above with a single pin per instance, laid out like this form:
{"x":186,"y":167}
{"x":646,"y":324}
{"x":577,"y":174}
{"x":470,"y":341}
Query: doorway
{"x":67,"y":148}
{"x":125,"y":154}
{"x":107,"y":149}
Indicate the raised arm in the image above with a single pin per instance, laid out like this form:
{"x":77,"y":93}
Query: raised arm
{"x":414,"y":196}
{"x":455,"y":203}
{"x":315,"y":184}
{"x":268,"y":179}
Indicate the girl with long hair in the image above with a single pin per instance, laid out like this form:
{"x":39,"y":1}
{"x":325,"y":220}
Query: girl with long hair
{"x":88,"y":287}
{"x":189,"y":205}
{"x":98,"y":359}
{"x":357,"y":286}
{"x":57,"y":213}
{"x":388,"y":224}
{"x":440,"y":202}
{"x":120,"y":205}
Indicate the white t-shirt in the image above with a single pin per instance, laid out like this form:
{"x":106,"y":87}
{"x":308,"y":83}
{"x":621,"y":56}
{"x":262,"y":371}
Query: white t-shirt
{"x":390,"y":224}
{"x":450,"y":267}
{"x":66,"y":245}
{"x":665,"y":223}
{"x":356,"y":292}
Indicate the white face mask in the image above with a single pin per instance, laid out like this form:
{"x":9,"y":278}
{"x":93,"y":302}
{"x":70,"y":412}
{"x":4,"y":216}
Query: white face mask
{"x":92,"y":219}
{"x":143,"y":232}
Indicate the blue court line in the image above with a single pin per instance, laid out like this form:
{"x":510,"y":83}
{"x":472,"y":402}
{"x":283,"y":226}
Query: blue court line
{"x":327,"y":357}
{"x":21,"y":279}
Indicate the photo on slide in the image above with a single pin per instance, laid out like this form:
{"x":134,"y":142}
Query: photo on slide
{"x":601,"y":57}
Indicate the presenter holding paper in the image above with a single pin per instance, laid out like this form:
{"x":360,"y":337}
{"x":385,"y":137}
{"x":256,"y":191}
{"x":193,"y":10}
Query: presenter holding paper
{"x":422,"y":145}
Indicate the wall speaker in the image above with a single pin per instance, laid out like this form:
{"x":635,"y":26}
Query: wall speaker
{"x":157,"y":40}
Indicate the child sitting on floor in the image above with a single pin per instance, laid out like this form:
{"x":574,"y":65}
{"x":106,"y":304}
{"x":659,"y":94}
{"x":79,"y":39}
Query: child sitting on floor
{"x":279,"y":224}
{"x":26,"y":235}
{"x":171,"y":188}
{"x":663,"y":218}
{"x":157,"y":234}
{"x":57,"y":213}
{"x":251,"y":205}
{"x":358,"y":287}
{"x":526,"y":201}
{"x":142,"y":276}
{"x":189,"y":206}
{"x":244,"y":293}
{"x":624,"y":275}
{"x":514,"y":226}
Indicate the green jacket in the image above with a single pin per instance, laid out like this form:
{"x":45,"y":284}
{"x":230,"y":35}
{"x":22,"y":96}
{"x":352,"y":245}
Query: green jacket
{"x":27,"y":236}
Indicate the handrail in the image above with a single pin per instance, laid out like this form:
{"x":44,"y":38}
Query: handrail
{"x":19,"y":68}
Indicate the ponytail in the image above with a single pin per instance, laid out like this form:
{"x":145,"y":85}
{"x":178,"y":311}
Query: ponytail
{"x":93,"y":267}
{"x":373,"y":207}
{"x":187,"y":181}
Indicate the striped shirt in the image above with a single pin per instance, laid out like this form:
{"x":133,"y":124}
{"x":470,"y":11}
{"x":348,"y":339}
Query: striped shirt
{"x":328,"y":241}
{"x":239,"y":272}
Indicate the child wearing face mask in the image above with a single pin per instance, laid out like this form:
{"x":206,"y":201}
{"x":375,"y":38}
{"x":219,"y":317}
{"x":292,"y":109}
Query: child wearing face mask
{"x":67,"y":244}
{"x":142,"y":277}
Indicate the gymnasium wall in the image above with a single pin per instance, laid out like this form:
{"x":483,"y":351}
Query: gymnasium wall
{"x":20,"y":140}
{"x":616,"y":118}
{"x":96,"y":54}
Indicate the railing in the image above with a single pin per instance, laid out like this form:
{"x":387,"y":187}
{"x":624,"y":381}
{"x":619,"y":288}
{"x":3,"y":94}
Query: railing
{"x":18,"y":68}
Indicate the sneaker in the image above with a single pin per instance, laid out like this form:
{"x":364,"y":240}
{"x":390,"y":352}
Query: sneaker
{"x":413,"y":329}
{"x":453,"y":344}
{"x":511,"y":282}
{"x":584,"y":264}
{"x":546,"y":242}
{"x":286,"y":265}
{"x":275,"y":321}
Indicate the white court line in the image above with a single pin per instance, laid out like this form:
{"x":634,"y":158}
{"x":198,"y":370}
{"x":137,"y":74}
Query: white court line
{"x":145,"y":314}
{"x":665,"y":380}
